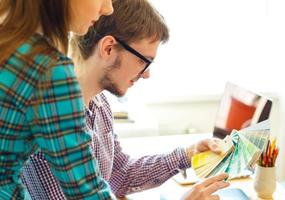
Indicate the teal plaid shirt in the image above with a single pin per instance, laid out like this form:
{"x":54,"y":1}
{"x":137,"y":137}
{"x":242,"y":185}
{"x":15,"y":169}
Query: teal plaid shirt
{"x":50,"y":118}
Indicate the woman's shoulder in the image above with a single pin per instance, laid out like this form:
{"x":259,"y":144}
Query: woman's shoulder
{"x":36,"y":60}
{"x":41,"y":48}
{"x":39,"y":55}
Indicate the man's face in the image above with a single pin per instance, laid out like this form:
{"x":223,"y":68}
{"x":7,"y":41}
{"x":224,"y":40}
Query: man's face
{"x":127,"y":67}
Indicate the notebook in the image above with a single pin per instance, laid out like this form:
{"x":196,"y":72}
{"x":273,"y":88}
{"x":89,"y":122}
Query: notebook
{"x":232,"y":194}
{"x":224,"y":194}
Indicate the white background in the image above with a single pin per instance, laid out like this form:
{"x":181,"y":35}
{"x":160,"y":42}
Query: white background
{"x":214,"y":41}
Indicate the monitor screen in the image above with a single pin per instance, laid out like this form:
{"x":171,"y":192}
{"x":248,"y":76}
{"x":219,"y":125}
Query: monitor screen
{"x":240,"y":108}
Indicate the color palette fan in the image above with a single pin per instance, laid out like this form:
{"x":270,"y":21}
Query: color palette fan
{"x":239,"y":152}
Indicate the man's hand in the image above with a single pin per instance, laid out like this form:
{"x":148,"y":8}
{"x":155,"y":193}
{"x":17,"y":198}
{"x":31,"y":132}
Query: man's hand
{"x":211,"y":144}
{"x":205,"y":189}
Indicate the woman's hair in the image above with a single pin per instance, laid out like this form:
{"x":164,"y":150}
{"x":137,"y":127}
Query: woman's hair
{"x":131,"y":21}
{"x":23,"y":17}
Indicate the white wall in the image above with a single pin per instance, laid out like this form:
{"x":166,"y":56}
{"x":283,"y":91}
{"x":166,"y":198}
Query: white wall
{"x":214,"y":41}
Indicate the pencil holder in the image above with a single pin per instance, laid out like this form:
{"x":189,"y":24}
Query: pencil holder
{"x":265,"y":181}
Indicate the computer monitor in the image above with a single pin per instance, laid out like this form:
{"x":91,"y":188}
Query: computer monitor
{"x":240,"y":108}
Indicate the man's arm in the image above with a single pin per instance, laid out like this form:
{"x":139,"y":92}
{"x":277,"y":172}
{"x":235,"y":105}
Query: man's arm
{"x":39,"y":180}
{"x":134,"y":175}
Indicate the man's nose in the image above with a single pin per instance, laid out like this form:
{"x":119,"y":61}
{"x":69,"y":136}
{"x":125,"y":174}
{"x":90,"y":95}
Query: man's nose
{"x":145,"y":74}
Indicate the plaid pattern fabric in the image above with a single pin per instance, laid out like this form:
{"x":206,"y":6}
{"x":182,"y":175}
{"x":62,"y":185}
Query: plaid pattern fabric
{"x":125,"y":175}
{"x":50,"y":119}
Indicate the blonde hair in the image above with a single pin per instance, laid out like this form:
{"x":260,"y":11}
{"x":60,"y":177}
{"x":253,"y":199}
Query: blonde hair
{"x":21,"y":18}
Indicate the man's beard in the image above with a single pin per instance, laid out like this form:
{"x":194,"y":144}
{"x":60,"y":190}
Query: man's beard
{"x":106,"y":82}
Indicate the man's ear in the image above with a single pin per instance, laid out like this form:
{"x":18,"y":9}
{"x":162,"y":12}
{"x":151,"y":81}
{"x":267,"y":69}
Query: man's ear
{"x":107,"y":46}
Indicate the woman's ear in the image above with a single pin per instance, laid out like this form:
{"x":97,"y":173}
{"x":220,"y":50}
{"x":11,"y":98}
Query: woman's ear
{"x":107,"y":46}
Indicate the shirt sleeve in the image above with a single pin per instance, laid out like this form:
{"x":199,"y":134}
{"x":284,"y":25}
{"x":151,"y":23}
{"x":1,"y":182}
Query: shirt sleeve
{"x":134,"y":175}
{"x":58,"y":127}
{"x":39,"y":180}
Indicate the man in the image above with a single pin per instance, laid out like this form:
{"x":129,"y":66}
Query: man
{"x":115,"y":54}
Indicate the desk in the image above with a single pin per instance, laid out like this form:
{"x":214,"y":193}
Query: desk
{"x":170,"y":190}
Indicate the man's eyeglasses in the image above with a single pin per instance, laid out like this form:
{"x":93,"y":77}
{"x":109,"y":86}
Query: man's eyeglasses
{"x":133,"y":51}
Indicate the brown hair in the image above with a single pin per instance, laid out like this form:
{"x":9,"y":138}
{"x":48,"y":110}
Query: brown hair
{"x":132,"y":20}
{"x":23,"y":17}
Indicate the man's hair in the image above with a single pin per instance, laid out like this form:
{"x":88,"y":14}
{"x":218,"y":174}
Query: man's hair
{"x":132,"y":21}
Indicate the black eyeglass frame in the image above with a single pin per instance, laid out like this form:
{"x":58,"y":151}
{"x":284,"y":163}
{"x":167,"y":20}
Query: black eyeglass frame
{"x":133,"y":51}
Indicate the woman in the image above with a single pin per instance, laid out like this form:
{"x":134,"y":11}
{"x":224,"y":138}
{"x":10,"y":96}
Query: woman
{"x":41,"y":105}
